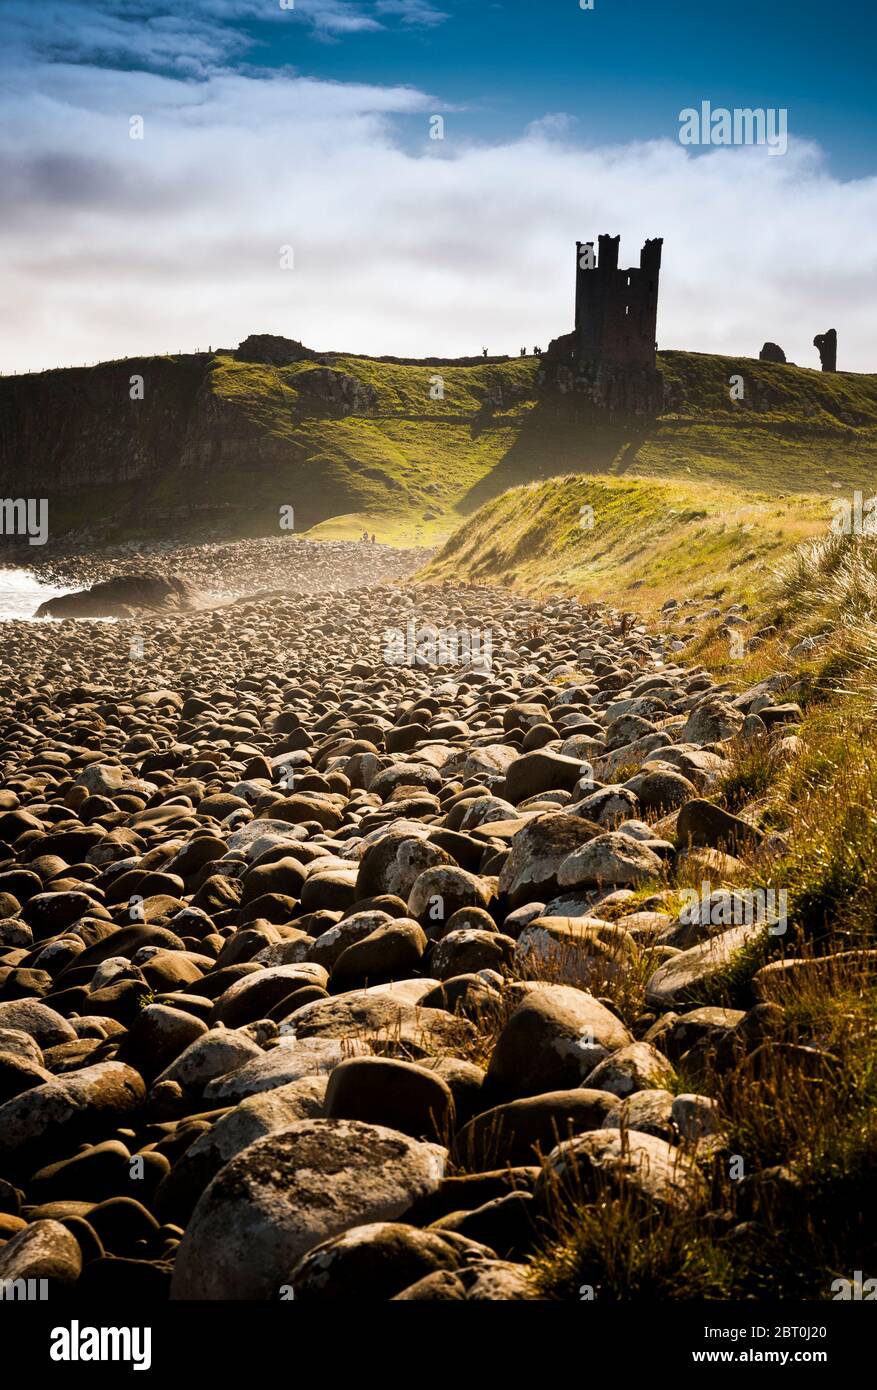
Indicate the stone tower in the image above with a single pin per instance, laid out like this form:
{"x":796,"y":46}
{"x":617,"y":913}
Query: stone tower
{"x":609,"y":358}
{"x":617,"y":310}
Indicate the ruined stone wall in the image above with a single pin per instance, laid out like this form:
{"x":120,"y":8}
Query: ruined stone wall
{"x":617,"y":310}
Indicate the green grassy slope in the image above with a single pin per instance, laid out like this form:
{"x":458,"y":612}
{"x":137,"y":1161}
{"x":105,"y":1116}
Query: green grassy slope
{"x":432,"y":462}
{"x":402,"y":464}
{"x":244,"y":438}
{"x":629,"y":541}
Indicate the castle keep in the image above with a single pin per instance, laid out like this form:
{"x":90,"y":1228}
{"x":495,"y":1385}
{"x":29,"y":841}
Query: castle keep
{"x":609,"y":358}
{"x":616,"y":310}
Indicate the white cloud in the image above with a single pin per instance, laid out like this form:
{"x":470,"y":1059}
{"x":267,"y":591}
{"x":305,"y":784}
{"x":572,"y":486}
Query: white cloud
{"x":112,"y":246}
{"x":413,"y":12}
{"x":552,"y":124}
{"x":189,"y":37}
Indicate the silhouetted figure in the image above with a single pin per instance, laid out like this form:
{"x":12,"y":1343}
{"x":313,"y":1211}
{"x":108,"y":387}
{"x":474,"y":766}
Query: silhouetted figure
{"x":827,"y":345}
{"x":374,"y":538}
{"x":484,"y":352}
{"x":523,"y":352}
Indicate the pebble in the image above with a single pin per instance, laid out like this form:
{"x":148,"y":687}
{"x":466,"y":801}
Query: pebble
{"x":283,"y":919}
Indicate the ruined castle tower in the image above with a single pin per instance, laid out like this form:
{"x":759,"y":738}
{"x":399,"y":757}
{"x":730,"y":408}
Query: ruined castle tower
{"x":609,"y":358}
{"x":826,"y":343}
{"x":617,"y":310}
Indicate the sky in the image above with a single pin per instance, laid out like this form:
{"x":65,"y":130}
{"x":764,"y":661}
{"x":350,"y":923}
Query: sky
{"x":288,"y":179}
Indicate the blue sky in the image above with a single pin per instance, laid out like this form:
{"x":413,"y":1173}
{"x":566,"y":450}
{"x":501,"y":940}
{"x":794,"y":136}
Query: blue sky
{"x":621,"y":71}
{"x":308,"y":127}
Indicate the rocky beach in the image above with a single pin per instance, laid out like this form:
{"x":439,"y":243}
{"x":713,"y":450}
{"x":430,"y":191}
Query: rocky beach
{"x":438,"y":683}
{"x":338,"y":953}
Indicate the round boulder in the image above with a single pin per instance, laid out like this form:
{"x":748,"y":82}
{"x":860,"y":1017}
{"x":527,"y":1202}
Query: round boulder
{"x":290,"y":1191}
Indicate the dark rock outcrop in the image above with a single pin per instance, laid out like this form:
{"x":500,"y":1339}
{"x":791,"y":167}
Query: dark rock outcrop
{"x":124,"y":596}
{"x":339,"y":392}
{"x":271,"y":347}
{"x":771,"y":352}
{"x":826,"y":343}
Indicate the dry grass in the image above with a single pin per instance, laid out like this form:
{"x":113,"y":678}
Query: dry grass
{"x":793,"y":1174}
{"x":613,"y":1250}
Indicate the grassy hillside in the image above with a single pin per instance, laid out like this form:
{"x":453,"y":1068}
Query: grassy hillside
{"x":401,"y":465}
{"x":220,"y":443}
{"x":632,"y":542}
{"x":425,"y":463}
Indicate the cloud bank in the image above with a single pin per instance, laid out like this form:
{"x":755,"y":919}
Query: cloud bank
{"x":112,"y":246}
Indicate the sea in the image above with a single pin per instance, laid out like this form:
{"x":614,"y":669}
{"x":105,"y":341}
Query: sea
{"x":21,"y":594}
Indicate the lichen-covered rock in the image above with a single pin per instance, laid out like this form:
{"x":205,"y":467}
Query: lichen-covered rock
{"x":290,"y":1191}
{"x":607,"y":1161}
{"x":85,"y":1104}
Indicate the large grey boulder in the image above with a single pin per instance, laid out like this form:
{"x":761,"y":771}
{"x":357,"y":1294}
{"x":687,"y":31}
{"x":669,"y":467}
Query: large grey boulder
{"x":542,"y":771}
{"x":688,"y":977}
{"x":608,"y":1161}
{"x":258,"y":1115}
{"x":43,"y":1250}
{"x":290,"y":1060}
{"x":393,"y":863}
{"x":400,"y":1026}
{"x":216,"y":1053}
{"x":288,"y":1192}
{"x":537,"y":851}
{"x":613,"y":860}
{"x":581,"y":950}
{"x":82,"y":1105}
{"x":712,"y":721}
{"x":42,"y":1023}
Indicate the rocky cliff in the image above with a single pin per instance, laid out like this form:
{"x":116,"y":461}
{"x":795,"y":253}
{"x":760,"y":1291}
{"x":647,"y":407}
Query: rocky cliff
{"x":223,"y":441}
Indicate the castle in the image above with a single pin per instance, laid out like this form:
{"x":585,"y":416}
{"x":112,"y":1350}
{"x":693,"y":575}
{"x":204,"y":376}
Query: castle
{"x":617,"y":310}
{"x":609,"y":358}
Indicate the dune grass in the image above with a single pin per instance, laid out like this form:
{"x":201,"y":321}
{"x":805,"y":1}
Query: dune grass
{"x":632,"y":542}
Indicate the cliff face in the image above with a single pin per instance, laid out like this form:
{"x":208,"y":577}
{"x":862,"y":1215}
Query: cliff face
{"x":219,"y":442}
{"x":76,"y":428}
{"x":79,"y":427}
